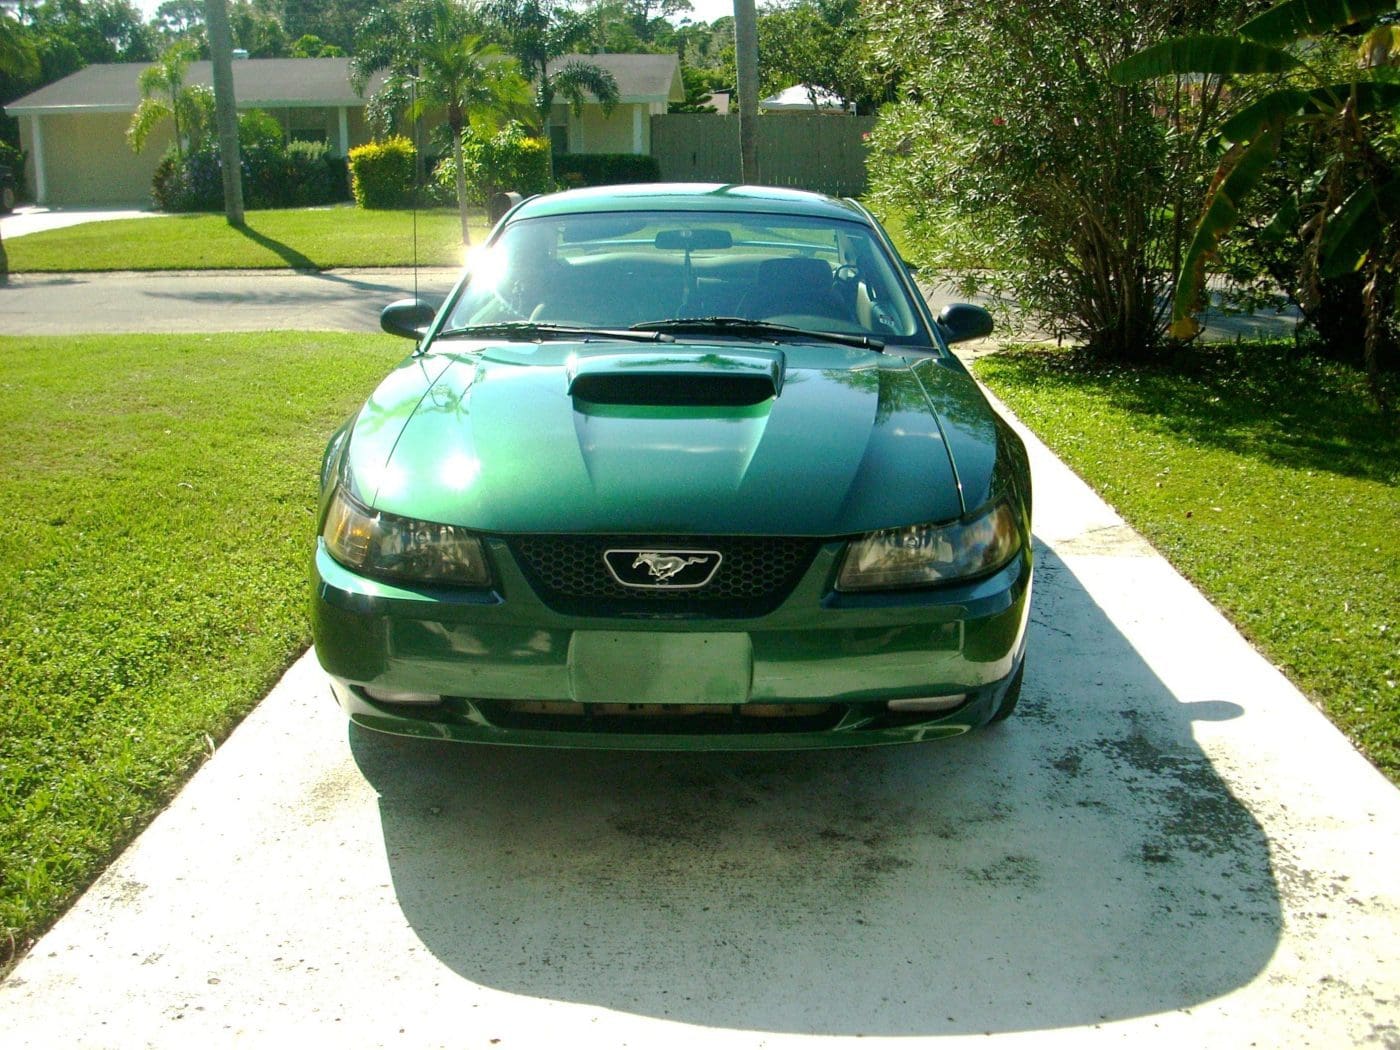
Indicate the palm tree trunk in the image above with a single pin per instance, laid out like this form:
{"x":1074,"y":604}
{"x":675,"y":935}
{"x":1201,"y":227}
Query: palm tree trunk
{"x":461,"y":183}
{"x":225,"y":107}
{"x":746,"y":57}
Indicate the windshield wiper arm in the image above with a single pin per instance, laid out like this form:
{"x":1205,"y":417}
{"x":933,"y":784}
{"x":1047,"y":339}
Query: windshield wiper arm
{"x":545,"y":330}
{"x":747,"y":326}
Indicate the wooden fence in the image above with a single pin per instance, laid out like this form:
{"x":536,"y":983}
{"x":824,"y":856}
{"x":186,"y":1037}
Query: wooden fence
{"x":807,"y":151}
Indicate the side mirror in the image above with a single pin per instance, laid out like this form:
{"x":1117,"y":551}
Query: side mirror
{"x":963,"y":321}
{"x":409,"y":318}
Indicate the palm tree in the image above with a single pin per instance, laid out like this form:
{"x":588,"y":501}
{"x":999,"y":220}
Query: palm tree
{"x":18,"y":59}
{"x":164,"y":96}
{"x":540,"y":31}
{"x":435,"y":60}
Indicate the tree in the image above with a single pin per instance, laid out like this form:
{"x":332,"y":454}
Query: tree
{"x":1346,"y":203}
{"x":225,"y":108}
{"x":259,"y":32}
{"x":312,"y":46}
{"x":181,"y":20}
{"x":165,"y":96}
{"x":102,"y":30}
{"x":435,"y":60}
{"x":540,"y":31}
{"x":18,"y":58}
{"x":746,"y":60}
{"x":336,"y":22}
{"x":1027,"y":172}
{"x":819,"y":43}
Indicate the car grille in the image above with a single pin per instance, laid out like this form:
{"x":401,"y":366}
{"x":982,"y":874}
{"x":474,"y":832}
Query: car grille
{"x":755,"y":575}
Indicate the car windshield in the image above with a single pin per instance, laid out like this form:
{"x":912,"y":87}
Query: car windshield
{"x":618,"y":270}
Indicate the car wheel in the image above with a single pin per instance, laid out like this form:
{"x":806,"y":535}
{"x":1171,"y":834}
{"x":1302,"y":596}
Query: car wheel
{"x":7,"y":201}
{"x":1013,"y":694}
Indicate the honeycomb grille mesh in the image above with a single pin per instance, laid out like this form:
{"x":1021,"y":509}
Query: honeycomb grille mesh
{"x":755,"y":574}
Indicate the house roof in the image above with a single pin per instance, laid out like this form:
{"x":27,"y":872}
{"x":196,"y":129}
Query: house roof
{"x":797,"y":98}
{"x":640,"y":78}
{"x":266,"y":82}
{"x":276,"y":83}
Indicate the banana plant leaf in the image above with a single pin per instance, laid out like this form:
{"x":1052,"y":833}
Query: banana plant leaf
{"x":1290,"y":104}
{"x":1355,"y":227}
{"x":1221,"y":55}
{"x":1238,"y":175}
{"x":1298,"y":19}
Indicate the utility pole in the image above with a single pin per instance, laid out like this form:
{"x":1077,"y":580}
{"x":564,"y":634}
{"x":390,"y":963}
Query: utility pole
{"x":746,"y":57}
{"x":226,"y":107}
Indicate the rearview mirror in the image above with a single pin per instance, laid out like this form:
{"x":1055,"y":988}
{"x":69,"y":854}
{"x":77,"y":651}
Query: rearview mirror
{"x":409,"y":318}
{"x":963,"y":321}
{"x":694,"y":240}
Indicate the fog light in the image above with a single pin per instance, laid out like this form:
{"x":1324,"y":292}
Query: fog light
{"x":927,"y":703}
{"x":391,"y":696}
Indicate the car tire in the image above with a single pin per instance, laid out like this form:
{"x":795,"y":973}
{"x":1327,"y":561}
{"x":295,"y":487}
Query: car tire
{"x":1013,"y":694}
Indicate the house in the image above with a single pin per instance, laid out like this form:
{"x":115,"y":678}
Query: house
{"x":74,"y":130}
{"x":645,"y":84}
{"x":799,"y":99}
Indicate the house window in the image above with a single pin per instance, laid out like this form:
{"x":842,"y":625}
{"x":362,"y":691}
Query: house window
{"x":559,"y":138}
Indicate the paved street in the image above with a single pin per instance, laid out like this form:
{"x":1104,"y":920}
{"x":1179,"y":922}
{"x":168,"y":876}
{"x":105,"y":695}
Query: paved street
{"x":225,"y":301}
{"x":1166,"y":846}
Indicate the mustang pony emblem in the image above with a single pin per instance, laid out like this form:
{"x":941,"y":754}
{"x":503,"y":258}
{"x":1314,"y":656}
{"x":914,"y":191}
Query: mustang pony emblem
{"x":662,"y":570}
{"x":663,"y":566}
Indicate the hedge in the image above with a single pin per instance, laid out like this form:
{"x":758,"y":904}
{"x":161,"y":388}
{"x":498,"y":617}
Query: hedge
{"x":605,"y":169}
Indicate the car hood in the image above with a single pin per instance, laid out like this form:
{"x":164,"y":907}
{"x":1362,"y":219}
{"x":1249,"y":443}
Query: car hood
{"x":590,"y":437}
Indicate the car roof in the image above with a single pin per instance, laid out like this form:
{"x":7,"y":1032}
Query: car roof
{"x":692,"y":196}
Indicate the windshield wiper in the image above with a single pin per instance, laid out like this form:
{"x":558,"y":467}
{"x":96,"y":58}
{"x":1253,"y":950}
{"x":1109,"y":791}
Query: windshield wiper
{"x":747,"y":326}
{"x":545,"y":330}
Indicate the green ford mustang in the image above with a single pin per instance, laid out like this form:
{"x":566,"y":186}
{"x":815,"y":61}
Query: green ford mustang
{"x":677,"y":466}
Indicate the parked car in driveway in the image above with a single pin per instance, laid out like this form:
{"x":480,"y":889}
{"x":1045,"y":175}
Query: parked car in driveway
{"x":677,"y":466}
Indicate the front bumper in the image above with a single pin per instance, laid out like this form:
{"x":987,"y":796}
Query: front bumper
{"x":819,"y":671}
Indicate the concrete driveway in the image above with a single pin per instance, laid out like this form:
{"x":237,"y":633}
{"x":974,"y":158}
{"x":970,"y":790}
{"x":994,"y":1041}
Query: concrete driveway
{"x":1166,"y":846}
{"x":33,"y":218}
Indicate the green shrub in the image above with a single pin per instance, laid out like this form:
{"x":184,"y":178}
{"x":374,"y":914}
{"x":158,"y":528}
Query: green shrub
{"x":508,"y":160}
{"x":605,"y":169}
{"x":274,"y":176}
{"x":192,"y":184}
{"x":381,"y":173}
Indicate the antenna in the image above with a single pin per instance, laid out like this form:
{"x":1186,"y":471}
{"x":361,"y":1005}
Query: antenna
{"x":417,"y":167}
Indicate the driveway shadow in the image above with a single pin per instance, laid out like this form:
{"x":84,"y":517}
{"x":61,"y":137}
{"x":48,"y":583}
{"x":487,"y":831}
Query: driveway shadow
{"x":1084,"y":862}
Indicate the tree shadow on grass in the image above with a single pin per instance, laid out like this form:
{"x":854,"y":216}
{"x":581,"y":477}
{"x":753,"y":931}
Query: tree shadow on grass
{"x":1083,"y":862}
{"x":293,"y":258}
{"x":1265,"y":401}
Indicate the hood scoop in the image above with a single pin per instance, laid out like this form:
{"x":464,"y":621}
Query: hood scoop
{"x":707,"y":377}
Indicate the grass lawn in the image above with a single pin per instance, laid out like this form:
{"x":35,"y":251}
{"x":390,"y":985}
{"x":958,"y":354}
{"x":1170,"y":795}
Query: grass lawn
{"x":161,"y":495}
{"x":309,"y":239}
{"x":1271,"y":482}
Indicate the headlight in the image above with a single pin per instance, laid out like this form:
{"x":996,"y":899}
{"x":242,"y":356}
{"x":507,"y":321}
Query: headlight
{"x":920,"y":555}
{"x":402,"y":548}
